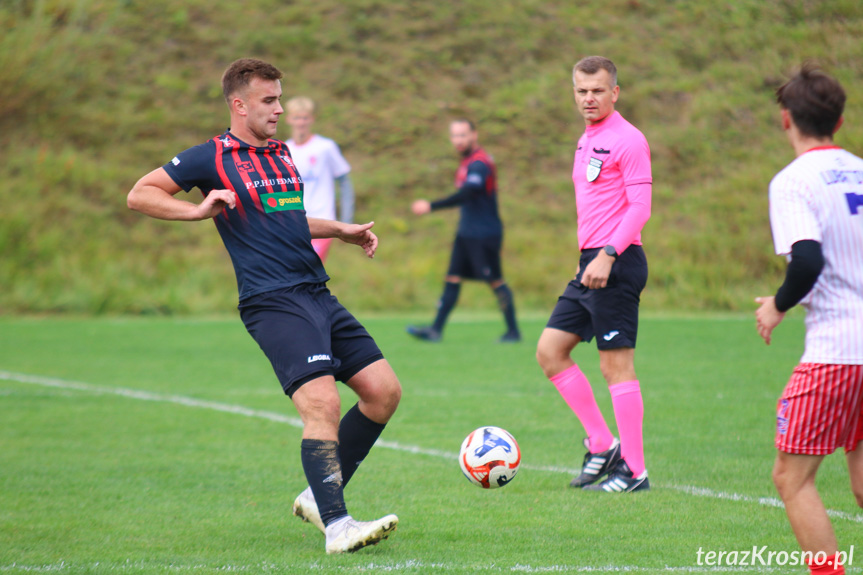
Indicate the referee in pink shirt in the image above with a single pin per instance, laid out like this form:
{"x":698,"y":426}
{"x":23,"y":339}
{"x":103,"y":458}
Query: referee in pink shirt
{"x":613,"y":183}
{"x":816,"y":215}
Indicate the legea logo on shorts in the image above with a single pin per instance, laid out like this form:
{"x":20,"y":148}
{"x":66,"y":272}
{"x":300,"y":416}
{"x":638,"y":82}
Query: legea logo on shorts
{"x":319,"y":357}
{"x":281,"y":201}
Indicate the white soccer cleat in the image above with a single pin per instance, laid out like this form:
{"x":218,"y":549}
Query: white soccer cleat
{"x":306,"y":509}
{"x":347,"y":534}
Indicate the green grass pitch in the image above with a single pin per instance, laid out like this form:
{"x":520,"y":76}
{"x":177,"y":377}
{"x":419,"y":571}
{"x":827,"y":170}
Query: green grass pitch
{"x":165,"y":446}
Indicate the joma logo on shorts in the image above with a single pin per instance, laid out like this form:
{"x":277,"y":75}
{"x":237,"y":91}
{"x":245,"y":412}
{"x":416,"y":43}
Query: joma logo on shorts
{"x":319,"y":357}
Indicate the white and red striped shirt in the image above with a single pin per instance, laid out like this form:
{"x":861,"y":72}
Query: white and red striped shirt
{"x":319,"y":161}
{"x":819,"y":196}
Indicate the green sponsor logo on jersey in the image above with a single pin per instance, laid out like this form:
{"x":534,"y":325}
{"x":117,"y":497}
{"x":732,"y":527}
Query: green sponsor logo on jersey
{"x":281,"y":201}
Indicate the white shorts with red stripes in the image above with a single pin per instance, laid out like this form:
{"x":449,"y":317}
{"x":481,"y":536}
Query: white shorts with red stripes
{"x":821,"y":409}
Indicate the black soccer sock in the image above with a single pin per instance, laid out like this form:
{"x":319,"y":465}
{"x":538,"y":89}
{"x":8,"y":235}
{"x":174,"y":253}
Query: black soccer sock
{"x":446,"y":304}
{"x":324,"y":473}
{"x":507,"y":305}
{"x":357,"y":435}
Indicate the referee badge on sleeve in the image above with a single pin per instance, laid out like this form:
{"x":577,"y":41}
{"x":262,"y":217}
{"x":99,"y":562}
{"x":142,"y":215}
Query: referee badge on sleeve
{"x":593,"y":169}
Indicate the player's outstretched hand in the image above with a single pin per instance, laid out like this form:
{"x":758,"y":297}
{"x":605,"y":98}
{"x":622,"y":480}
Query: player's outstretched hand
{"x":421,"y":207}
{"x":361,"y":235}
{"x":767,"y":317}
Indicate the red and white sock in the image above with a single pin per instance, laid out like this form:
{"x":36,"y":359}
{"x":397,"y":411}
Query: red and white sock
{"x":629,"y":413}
{"x":576,"y":391}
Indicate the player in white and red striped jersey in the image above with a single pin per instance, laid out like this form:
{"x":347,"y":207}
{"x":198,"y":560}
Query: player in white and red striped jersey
{"x":816,"y":215}
{"x":322,"y":166}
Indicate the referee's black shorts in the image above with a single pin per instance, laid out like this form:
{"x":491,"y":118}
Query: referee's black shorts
{"x":610,"y":314}
{"x":476,"y":258}
{"x":306,"y":333}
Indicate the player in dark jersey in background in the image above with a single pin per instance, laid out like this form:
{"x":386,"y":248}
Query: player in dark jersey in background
{"x":253,"y":192}
{"x":476,"y":250}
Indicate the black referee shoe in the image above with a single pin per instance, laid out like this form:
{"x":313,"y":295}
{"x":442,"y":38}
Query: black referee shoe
{"x":597,"y":465}
{"x":622,"y":480}
{"x":425,"y":333}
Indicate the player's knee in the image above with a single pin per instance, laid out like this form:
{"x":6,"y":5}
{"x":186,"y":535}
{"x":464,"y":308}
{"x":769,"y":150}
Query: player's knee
{"x":541,"y":355}
{"x":789,"y":479}
{"x":616,"y":374}
{"x":778,"y":476}
{"x":617,"y":366}
{"x":549,"y":358}
{"x":386,"y":397}
{"x":781,"y":476}
{"x":328,"y":412}
{"x":321,"y":418}
{"x":394,"y":396}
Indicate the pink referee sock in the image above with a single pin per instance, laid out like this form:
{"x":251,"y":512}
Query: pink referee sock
{"x":629,"y":413}
{"x":576,"y":391}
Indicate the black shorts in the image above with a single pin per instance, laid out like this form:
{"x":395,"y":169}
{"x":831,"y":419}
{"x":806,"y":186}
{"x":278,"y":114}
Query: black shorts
{"x":306,"y":333}
{"x":610,"y":313}
{"x":476,"y":258}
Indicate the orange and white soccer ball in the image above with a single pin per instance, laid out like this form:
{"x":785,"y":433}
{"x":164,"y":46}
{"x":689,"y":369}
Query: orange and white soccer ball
{"x":489,"y":457}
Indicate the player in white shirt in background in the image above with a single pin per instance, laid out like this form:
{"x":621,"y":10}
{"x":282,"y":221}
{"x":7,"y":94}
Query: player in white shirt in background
{"x":321,"y":165}
{"x":816,"y":215}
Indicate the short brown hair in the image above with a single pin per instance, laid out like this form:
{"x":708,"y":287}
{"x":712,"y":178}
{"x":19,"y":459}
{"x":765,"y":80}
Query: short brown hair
{"x":240,"y":74}
{"x":814,"y":99}
{"x":469,"y":123}
{"x":593,"y":64}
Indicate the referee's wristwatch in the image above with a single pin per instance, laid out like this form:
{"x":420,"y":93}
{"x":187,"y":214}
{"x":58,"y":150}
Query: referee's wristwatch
{"x":609,"y":249}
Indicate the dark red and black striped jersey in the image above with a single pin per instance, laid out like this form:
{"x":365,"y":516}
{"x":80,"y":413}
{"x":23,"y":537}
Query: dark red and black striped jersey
{"x":476,"y":185}
{"x":267,"y":234}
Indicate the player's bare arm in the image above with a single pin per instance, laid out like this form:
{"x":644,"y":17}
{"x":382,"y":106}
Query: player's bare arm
{"x":153,"y":195}
{"x":357,"y":234}
{"x":767,"y":317}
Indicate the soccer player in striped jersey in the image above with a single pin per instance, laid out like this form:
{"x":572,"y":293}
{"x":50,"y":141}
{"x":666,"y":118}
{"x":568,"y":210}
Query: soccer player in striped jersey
{"x":613,"y":185}
{"x":254,"y":194}
{"x":479,"y":239}
{"x":816,"y":216}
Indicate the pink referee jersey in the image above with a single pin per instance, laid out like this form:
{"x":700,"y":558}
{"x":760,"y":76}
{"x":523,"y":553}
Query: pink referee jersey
{"x":612,"y":178}
{"x":819,"y":196}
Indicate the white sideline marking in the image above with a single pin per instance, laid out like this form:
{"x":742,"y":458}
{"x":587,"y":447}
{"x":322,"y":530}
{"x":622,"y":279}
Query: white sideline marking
{"x":766,"y":501}
{"x":296,"y":422}
{"x":410,"y":564}
{"x":150,"y":396}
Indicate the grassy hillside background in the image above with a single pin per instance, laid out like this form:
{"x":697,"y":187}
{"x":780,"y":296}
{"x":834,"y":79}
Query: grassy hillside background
{"x":93,"y":94}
